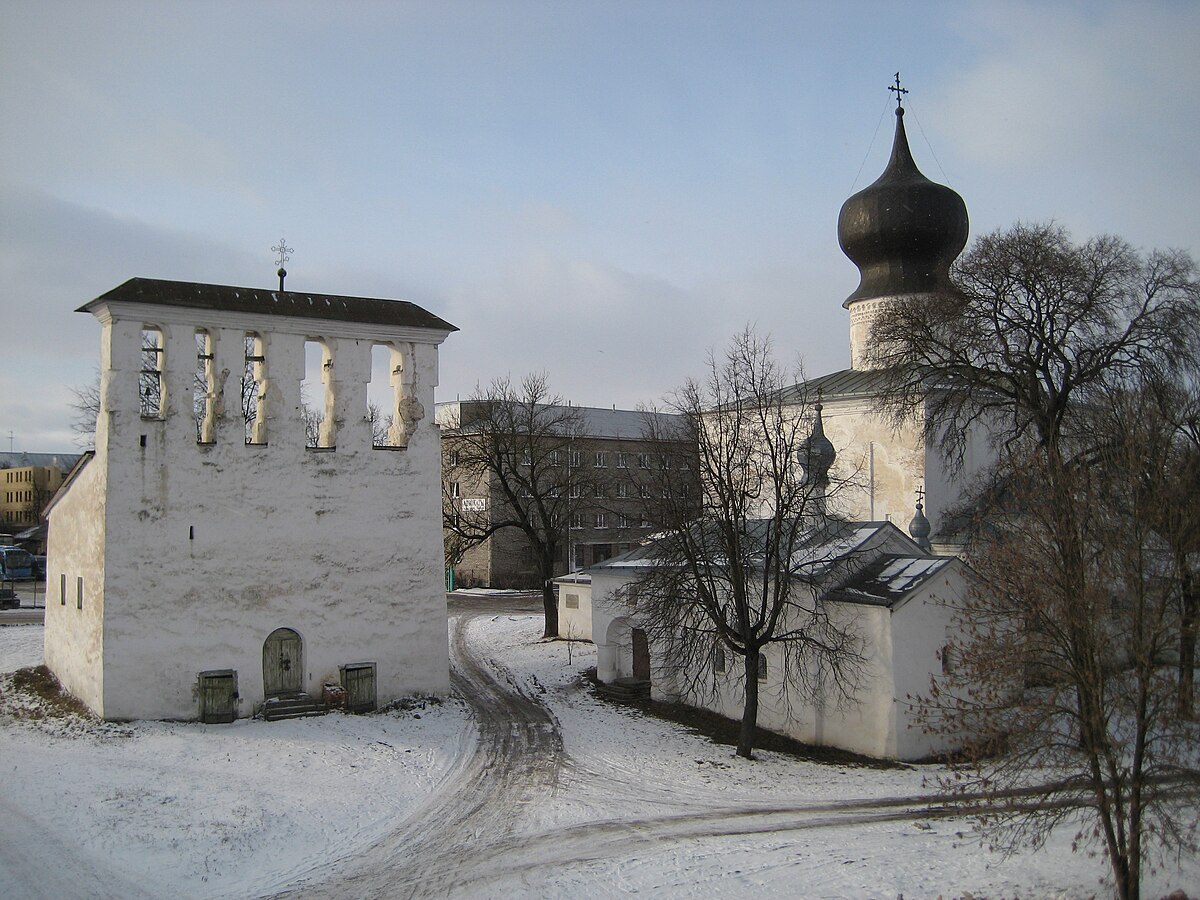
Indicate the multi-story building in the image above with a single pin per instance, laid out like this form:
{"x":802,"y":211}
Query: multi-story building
{"x":27,"y":482}
{"x":599,"y":473}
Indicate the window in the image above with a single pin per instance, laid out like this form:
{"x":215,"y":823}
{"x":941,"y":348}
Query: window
{"x":554,"y":491}
{"x":601,"y":520}
{"x":947,"y":660}
{"x":643,"y":460}
{"x":601,"y":460}
{"x":79,"y":592}
{"x":598,"y":489}
{"x":576,"y":520}
{"x":762,"y":667}
{"x":718,"y":659}
{"x":571,"y":601}
{"x":455,"y":490}
{"x":664,"y":462}
{"x":555,"y":458}
{"x":576,"y":491}
{"x":524,"y":492}
{"x":622,"y":491}
{"x":62,"y":590}
{"x":573,"y":459}
{"x":150,"y":376}
{"x":454,"y":457}
{"x":622,"y":460}
{"x":643,"y":491}
{"x":623,"y":521}
{"x":526,"y":458}
{"x":254,"y":388}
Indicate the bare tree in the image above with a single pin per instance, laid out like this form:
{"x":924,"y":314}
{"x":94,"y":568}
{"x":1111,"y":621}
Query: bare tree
{"x":1072,"y":616}
{"x":1063,"y":675}
{"x":735,"y":570}
{"x":520,"y":444}
{"x":1037,"y":324}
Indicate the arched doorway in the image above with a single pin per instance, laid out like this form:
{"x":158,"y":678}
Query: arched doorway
{"x":283,"y":663}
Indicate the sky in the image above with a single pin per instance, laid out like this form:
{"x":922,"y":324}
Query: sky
{"x":600,"y":191}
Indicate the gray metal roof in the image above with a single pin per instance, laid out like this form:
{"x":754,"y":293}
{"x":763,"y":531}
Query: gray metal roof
{"x":20,"y":459}
{"x":843,"y":384}
{"x":226,"y":298}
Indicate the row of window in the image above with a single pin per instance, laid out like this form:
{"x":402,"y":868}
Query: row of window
{"x":62,"y":591}
{"x":598,"y":520}
{"x":575,"y":459}
{"x":19,"y":516}
{"x":12,"y":476}
{"x":575,"y":491}
{"x":208,"y":386}
{"x":18,"y":496}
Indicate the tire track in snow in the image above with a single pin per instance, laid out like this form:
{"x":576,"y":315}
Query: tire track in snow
{"x":519,"y":758}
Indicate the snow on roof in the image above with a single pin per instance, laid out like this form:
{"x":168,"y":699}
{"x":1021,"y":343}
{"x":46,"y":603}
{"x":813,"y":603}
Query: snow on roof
{"x":816,"y":554}
{"x":886,"y":580}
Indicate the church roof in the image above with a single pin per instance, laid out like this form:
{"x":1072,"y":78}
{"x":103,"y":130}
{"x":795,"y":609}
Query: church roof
{"x":226,"y":298}
{"x":890,"y":578}
{"x":903,"y":231}
{"x":843,"y":384}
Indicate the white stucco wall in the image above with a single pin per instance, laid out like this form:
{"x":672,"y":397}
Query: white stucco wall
{"x":575,"y":623}
{"x":207,"y":549}
{"x":902,"y":653}
{"x":74,"y":637}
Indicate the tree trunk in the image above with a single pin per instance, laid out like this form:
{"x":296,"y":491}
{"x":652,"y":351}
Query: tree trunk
{"x":745,"y":747}
{"x":1189,"y":613}
{"x":550,"y":604}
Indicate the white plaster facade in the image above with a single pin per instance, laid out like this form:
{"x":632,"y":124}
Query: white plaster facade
{"x":170,"y":556}
{"x":575,"y":606}
{"x":904,"y":639}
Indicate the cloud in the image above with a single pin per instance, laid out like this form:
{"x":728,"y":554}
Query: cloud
{"x":56,"y":256}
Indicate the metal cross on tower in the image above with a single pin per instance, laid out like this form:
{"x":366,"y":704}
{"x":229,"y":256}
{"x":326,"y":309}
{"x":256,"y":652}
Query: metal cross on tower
{"x":899,"y":90}
{"x":285,"y":253}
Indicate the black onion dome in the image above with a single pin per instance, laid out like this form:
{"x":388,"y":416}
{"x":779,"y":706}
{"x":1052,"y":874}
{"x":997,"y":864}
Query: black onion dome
{"x":817,"y":453}
{"x":903,"y":231}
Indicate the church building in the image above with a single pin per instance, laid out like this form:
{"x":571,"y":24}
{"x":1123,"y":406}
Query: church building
{"x":221,"y":552}
{"x":894,"y":589}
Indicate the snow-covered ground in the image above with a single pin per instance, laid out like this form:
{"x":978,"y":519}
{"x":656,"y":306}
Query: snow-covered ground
{"x":186,"y":810}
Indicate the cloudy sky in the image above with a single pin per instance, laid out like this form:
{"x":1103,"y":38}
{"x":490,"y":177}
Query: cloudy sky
{"x":598,"y":190}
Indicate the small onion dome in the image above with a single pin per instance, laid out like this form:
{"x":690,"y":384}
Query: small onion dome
{"x":818,"y":453}
{"x":920,"y":528}
{"x":903,"y":231}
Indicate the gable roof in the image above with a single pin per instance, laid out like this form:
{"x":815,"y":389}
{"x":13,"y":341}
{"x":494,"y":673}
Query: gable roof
{"x":226,"y":298}
{"x":832,"y":556}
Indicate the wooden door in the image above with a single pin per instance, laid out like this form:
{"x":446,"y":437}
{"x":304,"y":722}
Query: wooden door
{"x":359,"y":682}
{"x":218,"y":696}
{"x":641,"y":654}
{"x":283,"y":665}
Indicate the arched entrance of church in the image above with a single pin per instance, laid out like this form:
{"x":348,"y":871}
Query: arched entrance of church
{"x":283,"y":663}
